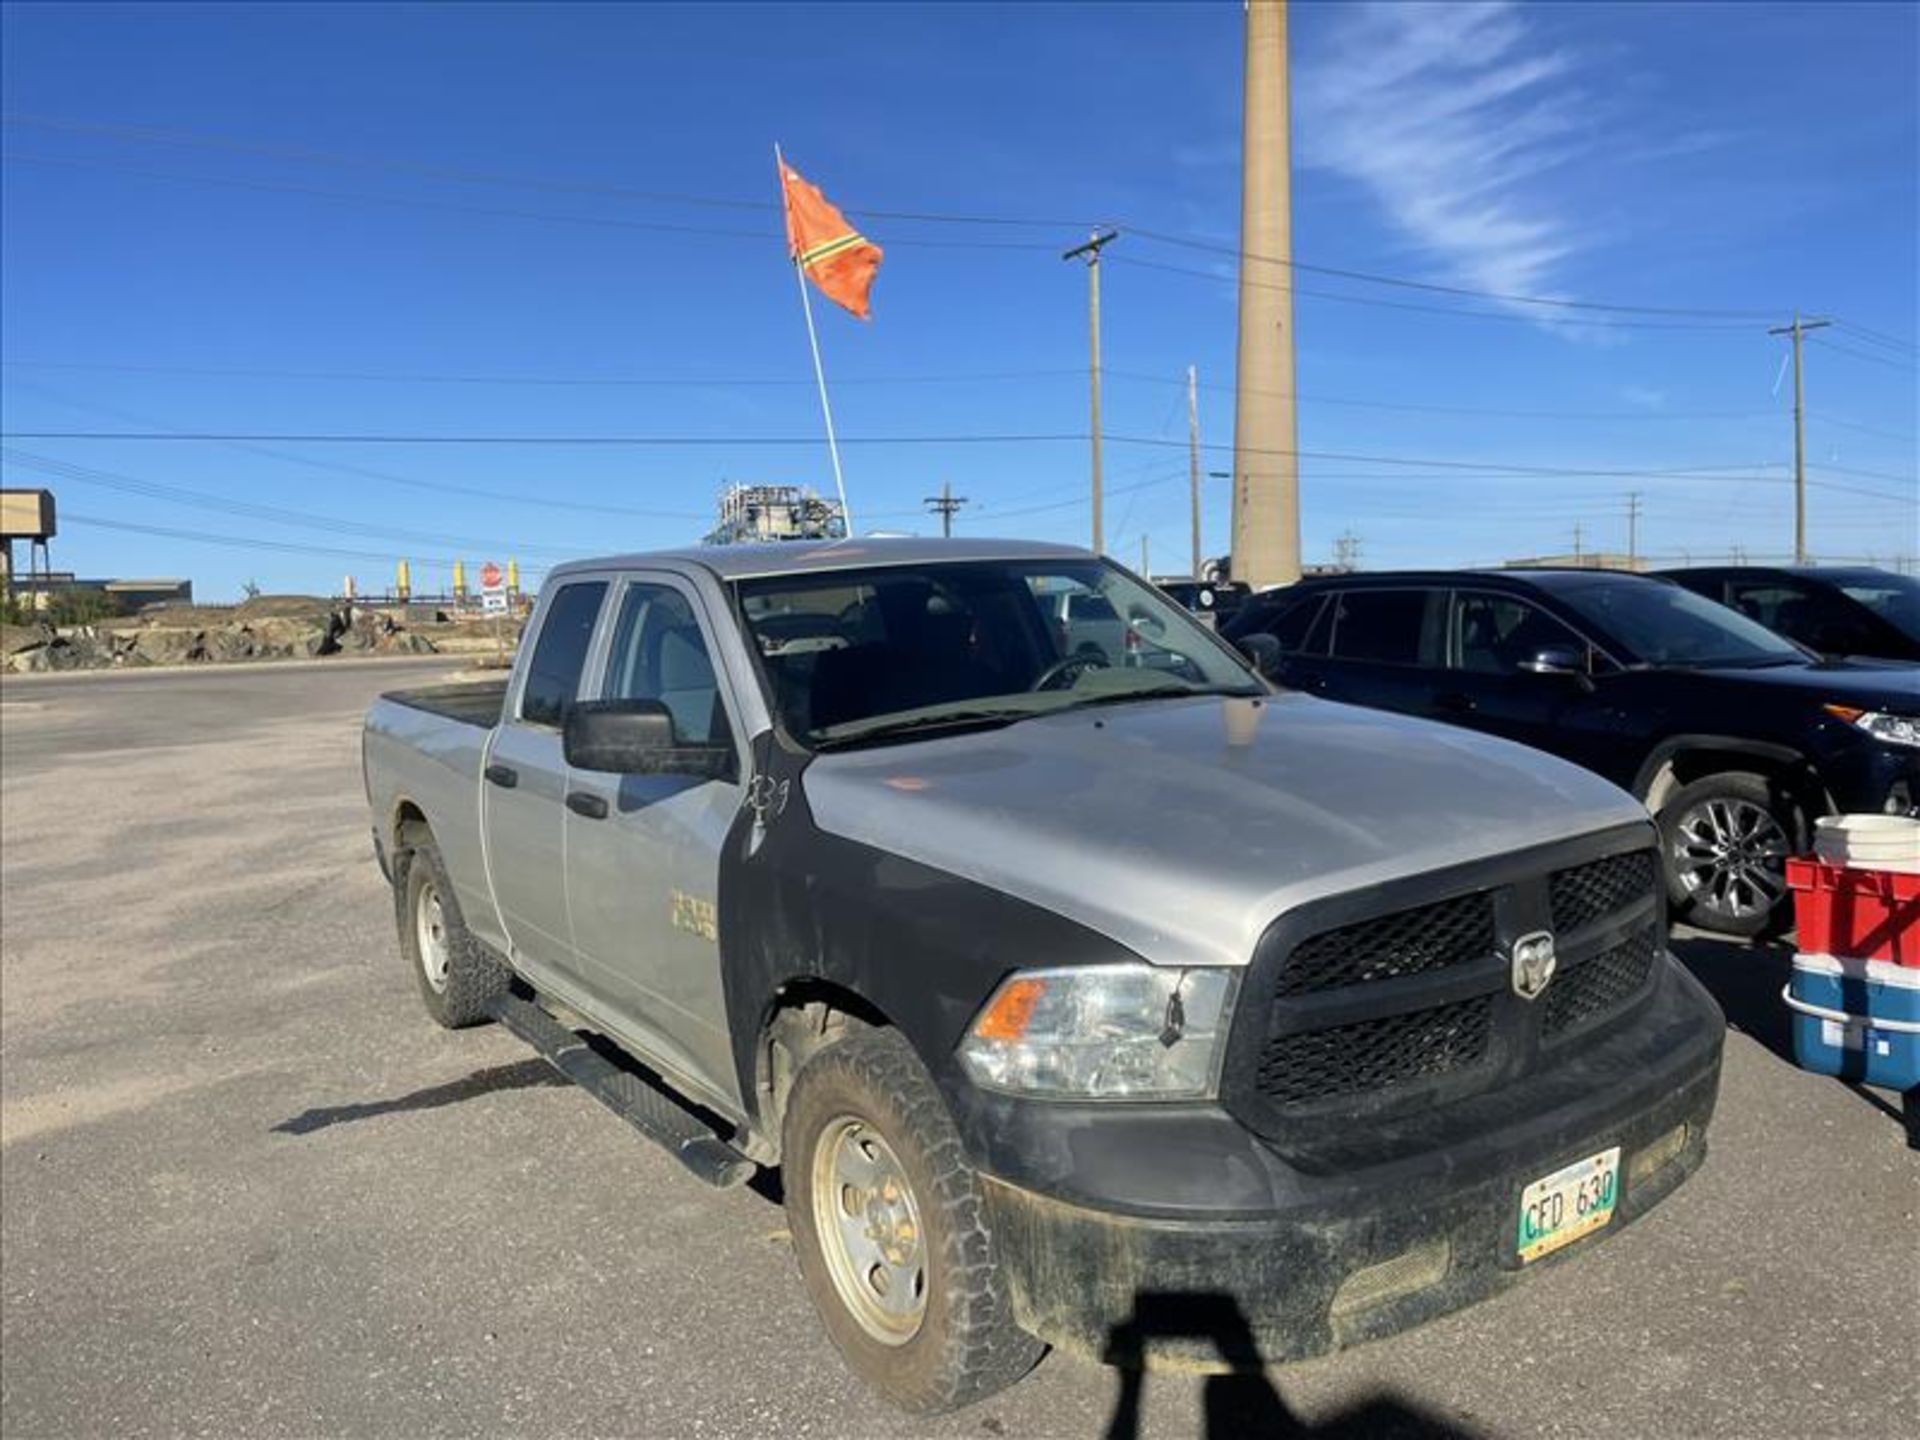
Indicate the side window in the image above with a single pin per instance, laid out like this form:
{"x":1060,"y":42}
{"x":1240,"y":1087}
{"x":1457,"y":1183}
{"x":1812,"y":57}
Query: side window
{"x":1391,"y":627}
{"x":553,"y":675}
{"x":1295,"y":623}
{"x":1497,"y":632}
{"x":658,"y":653}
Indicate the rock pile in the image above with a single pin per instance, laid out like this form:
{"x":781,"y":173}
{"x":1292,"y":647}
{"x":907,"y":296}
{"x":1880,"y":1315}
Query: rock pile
{"x":249,"y":632}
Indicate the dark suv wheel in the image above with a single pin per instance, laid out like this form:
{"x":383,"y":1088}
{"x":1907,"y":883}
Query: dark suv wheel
{"x":1726,"y":839}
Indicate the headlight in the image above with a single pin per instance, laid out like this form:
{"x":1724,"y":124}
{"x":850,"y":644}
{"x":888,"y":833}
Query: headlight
{"x":1128,"y":1031}
{"x":1894,"y":729}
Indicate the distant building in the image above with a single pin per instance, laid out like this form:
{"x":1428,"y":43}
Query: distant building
{"x":127,"y":596}
{"x":750,"y":513}
{"x":1585,"y":560}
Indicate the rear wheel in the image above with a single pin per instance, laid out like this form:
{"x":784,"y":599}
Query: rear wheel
{"x":458,"y":979}
{"x":888,"y":1225}
{"x":1726,"y":839}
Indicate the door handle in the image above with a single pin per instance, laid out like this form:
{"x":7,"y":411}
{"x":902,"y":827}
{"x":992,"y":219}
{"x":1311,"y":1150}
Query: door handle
{"x":1454,"y":703}
{"x":505,"y":776}
{"x":583,"y":803}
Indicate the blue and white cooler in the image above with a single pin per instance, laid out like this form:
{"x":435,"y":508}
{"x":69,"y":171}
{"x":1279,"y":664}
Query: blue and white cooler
{"x":1857,"y":1019}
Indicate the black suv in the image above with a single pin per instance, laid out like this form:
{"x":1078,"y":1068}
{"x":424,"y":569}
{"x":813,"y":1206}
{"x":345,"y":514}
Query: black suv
{"x":1732,"y":736}
{"x":1851,"y":611}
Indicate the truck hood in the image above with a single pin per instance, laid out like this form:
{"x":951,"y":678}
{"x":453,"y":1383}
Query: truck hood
{"x":1144,"y":823}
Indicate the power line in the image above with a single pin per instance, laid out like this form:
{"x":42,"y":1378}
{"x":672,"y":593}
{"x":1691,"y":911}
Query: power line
{"x":1825,"y":419}
{"x":147,"y":134}
{"x":769,"y":235}
{"x":1696,"y":325}
{"x":1879,"y":337}
{"x":1505,"y":297}
{"x":1839,"y":349}
{"x":246,"y":542}
{"x":201,"y":499}
{"x":390,"y":377}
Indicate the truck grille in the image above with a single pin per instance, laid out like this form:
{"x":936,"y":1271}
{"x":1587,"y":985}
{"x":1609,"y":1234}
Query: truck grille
{"x":1370,"y":1054}
{"x":1597,"y":985}
{"x":1584,"y":893}
{"x":1414,"y":1004}
{"x":1428,"y":937}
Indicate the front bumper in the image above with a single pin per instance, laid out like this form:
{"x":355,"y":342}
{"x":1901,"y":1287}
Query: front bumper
{"x":1352,"y":1255}
{"x":1874,"y":779}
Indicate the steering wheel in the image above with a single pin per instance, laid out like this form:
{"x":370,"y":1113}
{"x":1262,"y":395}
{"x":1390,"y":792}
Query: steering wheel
{"x":1070,"y":668}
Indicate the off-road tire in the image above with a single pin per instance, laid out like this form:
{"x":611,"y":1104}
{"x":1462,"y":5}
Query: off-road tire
{"x":475,"y":978}
{"x":968,"y":1346}
{"x":1740,"y":787}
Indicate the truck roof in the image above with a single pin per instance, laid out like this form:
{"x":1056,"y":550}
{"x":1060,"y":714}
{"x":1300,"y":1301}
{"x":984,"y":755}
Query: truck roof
{"x":799,"y":557}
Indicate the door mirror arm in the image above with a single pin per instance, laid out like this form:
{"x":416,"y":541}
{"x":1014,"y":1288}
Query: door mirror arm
{"x":1262,"y":651}
{"x":1559,"y":660}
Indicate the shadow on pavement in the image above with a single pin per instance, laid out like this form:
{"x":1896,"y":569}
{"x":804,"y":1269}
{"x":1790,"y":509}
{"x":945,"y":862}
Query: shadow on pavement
{"x":1242,"y":1401}
{"x":1746,"y":977}
{"x":521,"y":1075}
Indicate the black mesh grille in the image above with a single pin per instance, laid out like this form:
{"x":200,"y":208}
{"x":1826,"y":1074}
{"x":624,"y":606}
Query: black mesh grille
{"x":1371,"y":1054}
{"x":1407,"y":942}
{"x":1587,"y":892}
{"x":1599,"y":984}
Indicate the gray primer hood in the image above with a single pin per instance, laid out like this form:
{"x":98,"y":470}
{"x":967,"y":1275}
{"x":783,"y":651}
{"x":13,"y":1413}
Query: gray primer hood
{"x":1141,"y":822}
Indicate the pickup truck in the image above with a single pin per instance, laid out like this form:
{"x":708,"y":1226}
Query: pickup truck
{"x":1107,"y":1001}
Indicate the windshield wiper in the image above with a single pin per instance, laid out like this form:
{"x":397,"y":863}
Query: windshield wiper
{"x":980,"y":718}
{"x":1162,"y":691}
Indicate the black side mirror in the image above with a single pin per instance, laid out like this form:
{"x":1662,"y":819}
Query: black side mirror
{"x":1263,"y":650}
{"x":636,"y":737}
{"x":1559,"y":660}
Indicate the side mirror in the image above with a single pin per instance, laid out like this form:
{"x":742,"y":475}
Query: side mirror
{"x":1556,"y":660}
{"x":636,"y":737}
{"x":1263,"y":650}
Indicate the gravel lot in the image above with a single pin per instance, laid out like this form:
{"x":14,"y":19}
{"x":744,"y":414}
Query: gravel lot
{"x":246,"y":1188}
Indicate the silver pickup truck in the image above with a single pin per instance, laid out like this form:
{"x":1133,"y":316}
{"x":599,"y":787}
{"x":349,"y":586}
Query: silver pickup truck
{"x":1085,"y":991}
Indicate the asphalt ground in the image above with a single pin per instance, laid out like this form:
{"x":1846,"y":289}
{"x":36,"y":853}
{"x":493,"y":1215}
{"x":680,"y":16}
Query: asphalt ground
{"x":248,"y":1189}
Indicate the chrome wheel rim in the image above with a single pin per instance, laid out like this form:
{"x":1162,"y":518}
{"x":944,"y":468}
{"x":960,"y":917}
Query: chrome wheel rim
{"x":1730,"y":857}
{"x":868,"y":1221}
{"x":430,"y":935}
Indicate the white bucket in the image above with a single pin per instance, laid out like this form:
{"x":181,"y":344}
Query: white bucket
{"x":1869,"y":842}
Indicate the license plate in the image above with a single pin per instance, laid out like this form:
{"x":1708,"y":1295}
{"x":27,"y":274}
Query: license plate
{"x":1558,"y":1209}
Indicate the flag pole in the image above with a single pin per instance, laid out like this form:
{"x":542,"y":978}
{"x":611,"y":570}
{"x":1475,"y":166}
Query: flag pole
{"x":819,"y":371}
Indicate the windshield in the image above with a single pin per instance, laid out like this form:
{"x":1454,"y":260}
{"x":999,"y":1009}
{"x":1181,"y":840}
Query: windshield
{"x":854,"y":654}
{"x":1661,"y":624}
{"x":1894,"y":598}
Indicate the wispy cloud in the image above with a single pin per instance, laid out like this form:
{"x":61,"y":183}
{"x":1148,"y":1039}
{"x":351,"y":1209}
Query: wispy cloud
{"x":1449,"y":116}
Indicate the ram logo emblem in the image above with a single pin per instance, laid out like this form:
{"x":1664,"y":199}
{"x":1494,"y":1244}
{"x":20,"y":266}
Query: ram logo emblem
{"x":1533,"y":964}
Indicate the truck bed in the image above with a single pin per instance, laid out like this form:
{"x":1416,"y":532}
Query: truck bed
{"x":470,"y":703}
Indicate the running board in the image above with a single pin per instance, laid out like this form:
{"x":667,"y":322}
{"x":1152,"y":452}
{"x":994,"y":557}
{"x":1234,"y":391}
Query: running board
{"x":646,"y":1108}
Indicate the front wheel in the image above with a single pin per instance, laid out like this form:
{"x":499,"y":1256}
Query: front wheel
{"x":888,"y":1225}
{"x":1726,"y":839}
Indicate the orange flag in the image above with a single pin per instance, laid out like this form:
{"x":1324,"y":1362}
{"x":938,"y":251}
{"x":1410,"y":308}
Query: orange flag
{"x":834,"y":255}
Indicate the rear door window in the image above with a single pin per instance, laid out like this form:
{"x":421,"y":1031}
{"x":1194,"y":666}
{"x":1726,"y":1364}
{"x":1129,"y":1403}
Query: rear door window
{"x":553,"y":674}
{"x":1391,"y":627}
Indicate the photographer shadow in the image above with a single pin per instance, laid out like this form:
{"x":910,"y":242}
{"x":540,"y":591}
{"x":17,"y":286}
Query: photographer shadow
{"x":1240,"y":1400}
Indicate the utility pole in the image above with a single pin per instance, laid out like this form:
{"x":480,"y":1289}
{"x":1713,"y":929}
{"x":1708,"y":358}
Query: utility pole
{"x":1146,"y":564}
{"x":1091,"y":252}
{"x":1266,"y":467}
{"x":1346,"y":551}
{"x":1633,"y":529}
{"x":944,"y":505}
{"x":1798,"y":331}
{"x":1193,"y":461}
{"x":1579,"y":534}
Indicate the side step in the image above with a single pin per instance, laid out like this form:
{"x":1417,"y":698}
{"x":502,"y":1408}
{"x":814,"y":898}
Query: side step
{"x":644,"y":1107}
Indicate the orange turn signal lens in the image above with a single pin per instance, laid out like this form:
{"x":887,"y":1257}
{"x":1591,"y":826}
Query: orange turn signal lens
{"x":1848,"y":713}
{"x":1011,"y":1011}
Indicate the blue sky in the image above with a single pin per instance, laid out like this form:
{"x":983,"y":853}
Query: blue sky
{"x":450,"y":220}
